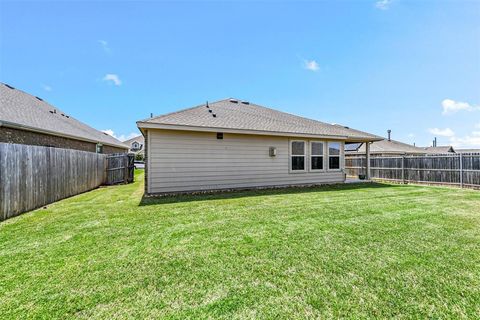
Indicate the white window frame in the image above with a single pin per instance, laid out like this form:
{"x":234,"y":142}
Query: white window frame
{"x":305,"y":157}
{"x":339,"y":156}
{"x":99,"y":148}
{"x":324,"y":143}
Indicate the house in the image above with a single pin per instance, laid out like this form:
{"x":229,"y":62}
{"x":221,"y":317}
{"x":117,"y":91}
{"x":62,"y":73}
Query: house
{"x":467,"y":150}
{"x":439,"y":149}
{"x":26,"y":119}
{"x":384,"y":148}
{"x":136,"y":145}
{"x":231,"y":144}
{"x":435,"y":149}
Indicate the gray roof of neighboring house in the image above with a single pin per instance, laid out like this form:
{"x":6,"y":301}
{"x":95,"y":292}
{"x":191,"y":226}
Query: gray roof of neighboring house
{"x":387,"y":147}
{"x":467,"y":150}
{"x":439,"y":149}
{"x":22,"y":110}
{"x":352,"y":146}
{"x":228,"y":115}
{"x":140,"y":139}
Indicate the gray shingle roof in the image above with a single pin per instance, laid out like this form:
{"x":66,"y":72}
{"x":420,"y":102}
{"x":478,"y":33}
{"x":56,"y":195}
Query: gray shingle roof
{"x":385,"y":146}
{"x":439,"y":149}
{"x":225,"y":114}
{"x":467,"y":150}
{"x":22,"y":109}
{"x":140,"y":139}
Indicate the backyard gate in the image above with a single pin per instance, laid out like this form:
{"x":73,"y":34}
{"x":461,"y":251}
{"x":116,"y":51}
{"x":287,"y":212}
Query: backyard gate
{"x":120,"y":168}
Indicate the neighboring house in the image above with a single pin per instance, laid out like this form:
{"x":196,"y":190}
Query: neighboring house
{"x":26,"y":119}
{"x":439,"y":149}
{"x":236,"y":144}
{"x":467,"y":150}
{"x":385,"y":147}
{"x":136,"y":145}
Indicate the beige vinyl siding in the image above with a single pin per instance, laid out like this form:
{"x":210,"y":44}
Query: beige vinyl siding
{"x":190,"y":161}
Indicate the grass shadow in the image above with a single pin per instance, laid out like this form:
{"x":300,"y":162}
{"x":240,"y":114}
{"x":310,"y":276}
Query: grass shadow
{"x":233,"y":194}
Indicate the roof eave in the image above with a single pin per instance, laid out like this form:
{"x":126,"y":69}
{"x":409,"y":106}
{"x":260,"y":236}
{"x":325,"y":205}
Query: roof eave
{"x":149,"y":125}
{"x":57,"y":134}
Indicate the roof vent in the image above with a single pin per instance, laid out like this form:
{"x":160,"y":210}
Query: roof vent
{"x":233,"y":100}
{"x":39,"y":98}
{"x":51,"y":111}
{"x":210,"y":110}
{"x":214,"y":115}
{"x":245,"y":102}
{"x":8,"y":86}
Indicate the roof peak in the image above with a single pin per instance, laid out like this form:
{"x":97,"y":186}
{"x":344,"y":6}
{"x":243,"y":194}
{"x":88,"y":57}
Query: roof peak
{"x":244,"y":116}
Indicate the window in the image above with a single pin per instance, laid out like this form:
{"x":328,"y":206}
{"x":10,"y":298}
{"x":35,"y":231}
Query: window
{"x":297,"y":156}
{"x":219,"y":135}
{"x":99,"y":148}
{"x":316,"y":155}
{"x":334,"y":155}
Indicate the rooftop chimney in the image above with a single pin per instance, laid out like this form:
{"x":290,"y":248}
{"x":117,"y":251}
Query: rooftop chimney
{"x":389,"y":133}
{"x":151,"y":115}
{"x":435,"y":142}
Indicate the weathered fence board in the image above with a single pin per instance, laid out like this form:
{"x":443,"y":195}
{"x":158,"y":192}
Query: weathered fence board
{"x":450,"y":169}
{"x":33,"y":176}
{"x":120,"y":168}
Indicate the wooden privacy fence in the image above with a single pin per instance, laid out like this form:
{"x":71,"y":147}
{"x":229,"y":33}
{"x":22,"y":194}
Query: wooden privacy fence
{"x":449,"y":169}
{"x":33,"y":176}
{"x":120,"y":168}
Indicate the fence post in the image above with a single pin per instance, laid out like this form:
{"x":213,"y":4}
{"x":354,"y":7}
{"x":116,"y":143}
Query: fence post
{"x":367,"y":157}
{"x":461,"y":170}
{"x":403,"y":169}
{"x":125,"y":174}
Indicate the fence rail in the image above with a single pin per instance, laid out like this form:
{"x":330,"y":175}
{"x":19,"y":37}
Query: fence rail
{"x":33,"y":176}
{"x":450,"y":169}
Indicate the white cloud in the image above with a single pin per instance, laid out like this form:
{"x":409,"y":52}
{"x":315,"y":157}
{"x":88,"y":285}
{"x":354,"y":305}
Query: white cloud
{"x":383,"y":4}
{"x":104,"y":45}
{"x":471,"y":140}
{"x":447,"y":132}
{"x":121,"y":137}
{"x":109,"y":132}
{"x":468,"y":141}
{"x":46,"y":87}
{"x":111,"y":77}
{"x":311,"y":65}
{"x":451,"y":106}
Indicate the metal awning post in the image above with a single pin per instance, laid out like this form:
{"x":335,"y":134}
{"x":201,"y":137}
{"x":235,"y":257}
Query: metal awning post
{"x":367,"y":160}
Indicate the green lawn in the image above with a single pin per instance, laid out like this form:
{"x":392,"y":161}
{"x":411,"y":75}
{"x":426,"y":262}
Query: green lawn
{"x":352,"y":251}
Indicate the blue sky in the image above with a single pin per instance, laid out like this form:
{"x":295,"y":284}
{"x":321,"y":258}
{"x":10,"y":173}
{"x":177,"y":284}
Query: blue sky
{"x":409,"y":66}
